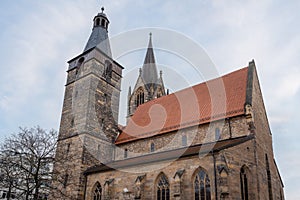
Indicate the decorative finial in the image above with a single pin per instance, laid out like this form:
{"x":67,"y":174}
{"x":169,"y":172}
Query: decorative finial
{"x":102,"y":9}
{"x":160,"y":73}
{"x":140,"y":71}
{"x":150,"y":34}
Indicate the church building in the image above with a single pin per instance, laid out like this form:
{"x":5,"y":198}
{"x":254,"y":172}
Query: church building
{"x":210,"y":141}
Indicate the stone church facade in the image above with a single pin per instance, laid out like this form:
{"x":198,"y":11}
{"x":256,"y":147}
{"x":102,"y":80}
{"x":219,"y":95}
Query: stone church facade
{"x":207,"y":142}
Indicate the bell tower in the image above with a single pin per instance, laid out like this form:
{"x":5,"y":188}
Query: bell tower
{"x":89,"y":125}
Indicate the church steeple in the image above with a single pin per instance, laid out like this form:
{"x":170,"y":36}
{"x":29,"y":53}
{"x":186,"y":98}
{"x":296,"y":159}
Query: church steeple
{"x":99,"y":35}
{"x":89,"y":124}
{"x":149,"y":85}
{"x":149,"y":70}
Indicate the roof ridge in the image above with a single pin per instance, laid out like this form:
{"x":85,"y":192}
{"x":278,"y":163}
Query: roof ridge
{"x":197,"y":84}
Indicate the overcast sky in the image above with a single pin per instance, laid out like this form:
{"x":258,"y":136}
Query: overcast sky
{"x":38,"y":37}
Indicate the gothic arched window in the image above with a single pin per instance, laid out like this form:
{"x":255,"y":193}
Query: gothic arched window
{"x":202,"y":186}
{"x":80,"y":61}
{"x":244,"y":184}
{"x":140,"y":97}
{"x":97,"y":192}
{"x":162,"y":188}
{"x":108,"y":69}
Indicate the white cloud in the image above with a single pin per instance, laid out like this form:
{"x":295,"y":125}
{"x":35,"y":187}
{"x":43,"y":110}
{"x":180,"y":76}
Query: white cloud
{"x":40,"y":42}
{"x":289,"y":85}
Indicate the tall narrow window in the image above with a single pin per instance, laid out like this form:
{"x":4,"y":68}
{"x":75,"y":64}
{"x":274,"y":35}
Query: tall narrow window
{"x":152,"y":147}
{"x":72,"y":122}
{"x":138,"y":100}
{"x":244,"y":184}
{"x":140,"y":97}
{"x":68,"y":147}
{"x":97,"y":192}
{"x":103,"y":22}
{"x":80,"y":61}
{"x":108,"y":69}
{"x":163,"y":188}
{"x":105,"y":98}
{"x":269,"y":178}
{"x":102,"y":123}
{"x":66,"y":180}
{"x":184,"y":140}
{"x":125,"y":153}
{"x":217,"y":134}
{"x":202,"y":186}
{"x":97,"y":22}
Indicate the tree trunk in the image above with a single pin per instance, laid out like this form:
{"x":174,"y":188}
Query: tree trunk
{"x":9,"y":190}
{"x":37,"y":182}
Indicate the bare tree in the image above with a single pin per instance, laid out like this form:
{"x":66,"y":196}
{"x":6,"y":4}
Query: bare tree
{"x":26,"y":162}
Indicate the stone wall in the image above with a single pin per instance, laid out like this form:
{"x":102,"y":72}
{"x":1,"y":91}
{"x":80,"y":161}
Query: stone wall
{"x":230,"y":160}
{"x":89,"y":121}
{"x":229,"y":128}
{"x":264,"y":146}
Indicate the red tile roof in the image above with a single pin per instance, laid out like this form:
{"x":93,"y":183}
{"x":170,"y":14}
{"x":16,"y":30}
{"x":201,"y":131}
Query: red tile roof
{"x":212,"y":100}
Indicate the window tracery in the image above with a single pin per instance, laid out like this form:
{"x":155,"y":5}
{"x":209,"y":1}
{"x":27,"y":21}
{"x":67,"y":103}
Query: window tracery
{"x":97,"y":192}
{"x":244,"y":184}
{"x":202,"y":186}
{"x":163,"y":188}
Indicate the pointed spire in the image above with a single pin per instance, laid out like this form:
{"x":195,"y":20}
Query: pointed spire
{"x":129,"y":91}
{"x":149,"y":81}
{"x":99,"y":36}
{"x":149,"y":72}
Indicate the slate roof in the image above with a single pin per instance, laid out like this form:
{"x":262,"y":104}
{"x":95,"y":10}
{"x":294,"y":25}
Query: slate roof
{"x":212,"y":100}
{"x":196,"y":150}
{"x":149,"y":69}
{"x":99,"y":38}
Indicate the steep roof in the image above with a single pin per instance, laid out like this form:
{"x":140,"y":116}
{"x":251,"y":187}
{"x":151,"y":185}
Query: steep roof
{"x":149,"y":70}
{"x":212,"y":100}
{"x":99,"y":36}
{"x":99,"y":39}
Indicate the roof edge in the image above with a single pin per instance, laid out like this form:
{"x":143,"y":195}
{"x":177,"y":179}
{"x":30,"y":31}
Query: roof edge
{"x":202,"y":121}
{"x":168,"y":155}
{"x":89,"y":50}
{"x":249,"y":87}
{"x":277,"y":170}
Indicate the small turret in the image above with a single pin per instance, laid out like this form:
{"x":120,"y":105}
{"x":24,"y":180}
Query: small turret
{"x":99,"y":36}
